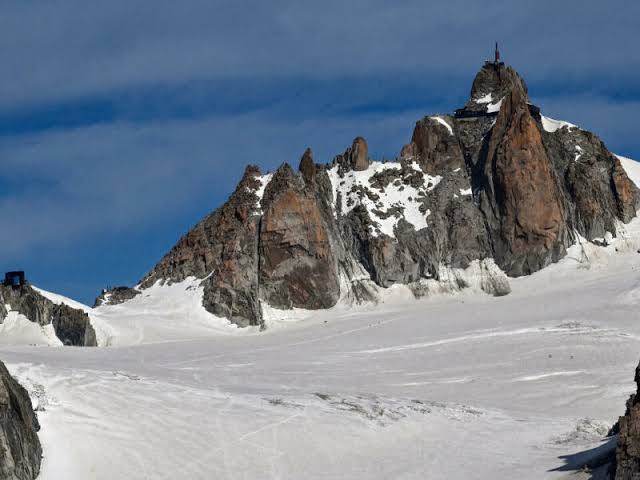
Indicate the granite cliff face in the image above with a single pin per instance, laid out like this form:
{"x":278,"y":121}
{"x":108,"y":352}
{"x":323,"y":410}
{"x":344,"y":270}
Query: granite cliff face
{"x":521,"y":199}
{"x":20,"y":450}
{"x":72,"y":326}
{"x":495,"y":187}
{"x":297,"y":265}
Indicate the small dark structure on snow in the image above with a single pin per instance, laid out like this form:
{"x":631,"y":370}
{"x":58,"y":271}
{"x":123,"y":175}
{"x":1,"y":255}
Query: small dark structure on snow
{"x":14,"y":279}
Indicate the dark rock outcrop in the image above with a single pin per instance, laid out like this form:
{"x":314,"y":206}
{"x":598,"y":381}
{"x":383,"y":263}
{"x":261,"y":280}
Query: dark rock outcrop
{"x":627,"y":460}
{"x":356,"y":157}
{"x":495,"y":182}
{"x":115,"y":296}
{"x":20,"y":450}
{"x":307,"y":166}
{"x":72,"y":326}
{"x":598,"y":192}
{"x":224,"y":248}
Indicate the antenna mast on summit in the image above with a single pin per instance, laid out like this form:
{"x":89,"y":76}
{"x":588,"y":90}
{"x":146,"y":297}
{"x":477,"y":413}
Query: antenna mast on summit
{"x":497,"y":60}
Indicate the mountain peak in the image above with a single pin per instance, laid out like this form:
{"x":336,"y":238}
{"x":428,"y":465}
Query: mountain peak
{"x":493,"y":82}
{"x":497,"y":79}
{"x":489,"y":189}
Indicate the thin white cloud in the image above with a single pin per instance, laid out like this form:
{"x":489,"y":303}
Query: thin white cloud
{"x":63,"y":49}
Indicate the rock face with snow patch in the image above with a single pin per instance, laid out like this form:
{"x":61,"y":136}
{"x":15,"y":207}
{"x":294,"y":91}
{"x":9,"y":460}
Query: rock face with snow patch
{"x":115,"y":296}
{"x":224,"y":248}
{"x":20,"y":450}
{"x":494,"y":187}
{"x":72,"y":326}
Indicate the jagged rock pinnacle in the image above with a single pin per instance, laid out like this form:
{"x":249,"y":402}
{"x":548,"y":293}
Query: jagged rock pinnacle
{"x":307,"y":166}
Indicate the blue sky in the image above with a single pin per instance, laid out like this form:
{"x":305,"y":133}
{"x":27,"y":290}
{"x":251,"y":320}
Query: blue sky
{"x":122,"y":123}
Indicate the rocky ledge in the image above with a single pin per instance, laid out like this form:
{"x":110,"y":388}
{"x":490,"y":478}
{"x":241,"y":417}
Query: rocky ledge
{"x":496,"y":187}
{"x":115,"y":296}
{"x":20,"y":450}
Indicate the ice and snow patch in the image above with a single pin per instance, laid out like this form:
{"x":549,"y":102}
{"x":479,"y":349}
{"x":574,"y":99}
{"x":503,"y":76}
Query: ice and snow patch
{"x":276,"y":317}
{"x":443,"y":122}
{"x":264,"y":181}
{"x":16,"y":329}
{"x":386,"y":206}
{"x":587,"y":430}
{"x":480,"y":276}
{"x":465,"y":191}
{"x":161,"y":313}
{"x":494,"y":107}
{"x":578,"y":153}
{"x":551,"y":125}
{"x":485,"y":99}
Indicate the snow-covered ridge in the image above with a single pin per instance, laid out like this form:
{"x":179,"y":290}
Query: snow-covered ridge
{"x":404,"y":201}
{"x":60,"y":299}
{"x":551,"y":125}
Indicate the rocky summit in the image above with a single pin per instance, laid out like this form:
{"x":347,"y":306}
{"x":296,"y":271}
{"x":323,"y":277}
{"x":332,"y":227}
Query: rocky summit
{"x":495,"y":188}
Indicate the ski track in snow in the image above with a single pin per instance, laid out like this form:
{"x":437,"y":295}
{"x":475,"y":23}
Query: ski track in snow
{"x":450,"y":387}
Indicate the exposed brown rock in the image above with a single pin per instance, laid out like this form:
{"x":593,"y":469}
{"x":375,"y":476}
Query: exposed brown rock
{"x":307,"y":166}
{"x":297,"y":267}
{"x":355,"y":157}
{"x":408,"y":151}
{"x":497,"y":79}
{"x":523,"y":193}
{"x":359,"y":154}
{"x":436,"y":149}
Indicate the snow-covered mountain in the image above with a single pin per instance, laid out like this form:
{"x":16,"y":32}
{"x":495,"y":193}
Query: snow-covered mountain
{"x":447,"y":387}
{"x":354,"y":378}
{"x":494,"y":189}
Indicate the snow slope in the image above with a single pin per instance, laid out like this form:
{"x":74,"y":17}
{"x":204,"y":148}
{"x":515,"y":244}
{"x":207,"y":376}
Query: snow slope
{"x":455,"y":387}
{"x":463,"y":386}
